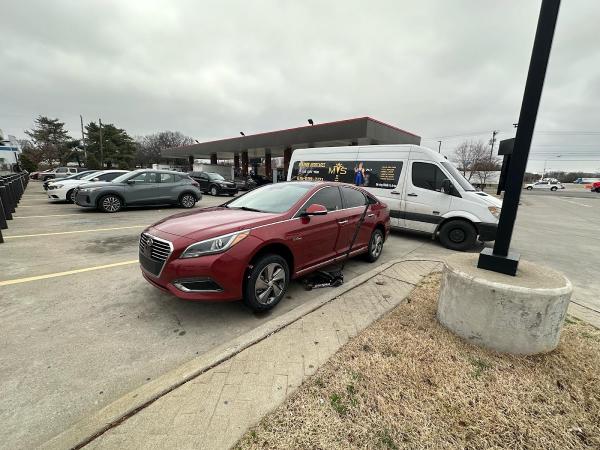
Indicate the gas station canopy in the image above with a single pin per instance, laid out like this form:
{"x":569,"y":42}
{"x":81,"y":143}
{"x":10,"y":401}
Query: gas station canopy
{"x":359,"y":131}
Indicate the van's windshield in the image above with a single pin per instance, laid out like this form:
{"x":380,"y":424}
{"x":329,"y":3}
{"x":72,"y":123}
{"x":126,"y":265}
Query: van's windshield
{"x":458,"y":176}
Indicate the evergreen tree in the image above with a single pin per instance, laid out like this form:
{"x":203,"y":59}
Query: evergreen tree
{"x":118,"y":148}
{"x":50,"y":142}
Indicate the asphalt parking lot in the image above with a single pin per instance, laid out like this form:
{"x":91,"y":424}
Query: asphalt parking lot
{"x":81,"y":327}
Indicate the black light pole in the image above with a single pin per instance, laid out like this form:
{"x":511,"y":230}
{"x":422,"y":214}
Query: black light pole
{"x":500,"y":259}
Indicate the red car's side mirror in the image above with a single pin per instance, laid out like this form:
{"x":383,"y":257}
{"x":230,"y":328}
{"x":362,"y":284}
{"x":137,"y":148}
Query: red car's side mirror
{"x":315,"y":210}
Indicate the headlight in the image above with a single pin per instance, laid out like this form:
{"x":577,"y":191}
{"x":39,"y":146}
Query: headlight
{"x":57,"y":186}
{"x":88,"y":190}
{"x":215,"y":245}
{"x":495,"y":211}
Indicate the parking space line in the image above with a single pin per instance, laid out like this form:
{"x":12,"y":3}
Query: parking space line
{"x":49,"y":215}
{"x":73,"y":232}
{"x":575,"y":203}
{"x":68,"y":272}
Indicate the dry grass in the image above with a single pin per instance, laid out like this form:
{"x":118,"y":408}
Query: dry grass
{"x":406,"y":382}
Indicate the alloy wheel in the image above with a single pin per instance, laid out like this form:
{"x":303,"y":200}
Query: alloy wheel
{"x":213,"y":191}
{"x":377,"y":245}
{"x":188,"y":201}
{"x":270,"y":283}
{"x":72,"y":196}
{"x":111,"y":204}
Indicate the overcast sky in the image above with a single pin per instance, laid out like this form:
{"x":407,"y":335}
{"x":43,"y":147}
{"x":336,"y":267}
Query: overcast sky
{"x":212,"y":69}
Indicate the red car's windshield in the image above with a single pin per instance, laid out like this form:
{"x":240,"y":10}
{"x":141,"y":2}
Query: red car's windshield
{"x":273,"y":198}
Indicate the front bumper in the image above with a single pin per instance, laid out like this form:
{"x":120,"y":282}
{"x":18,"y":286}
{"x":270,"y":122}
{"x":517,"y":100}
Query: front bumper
{"x":215,"y":278}
{"x":57,"y":194}
{"x":84,"y":199}
{"x":487,"y":231}
{"x":227,"y":189}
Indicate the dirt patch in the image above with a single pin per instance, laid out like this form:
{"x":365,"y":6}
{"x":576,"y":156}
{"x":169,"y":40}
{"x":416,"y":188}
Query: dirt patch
{"x":407,"y":382}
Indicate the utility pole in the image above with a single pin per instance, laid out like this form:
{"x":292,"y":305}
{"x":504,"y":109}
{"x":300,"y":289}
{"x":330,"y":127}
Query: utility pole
{"x":440,"y":147}
{"x":493,"y":141}
{"x":101,"y":146}
{"x":83,"y":139}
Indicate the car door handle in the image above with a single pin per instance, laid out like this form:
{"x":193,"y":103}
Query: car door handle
{"x":395,"y":192}
{"x":342,"y":222}
{"x":412,"y":195}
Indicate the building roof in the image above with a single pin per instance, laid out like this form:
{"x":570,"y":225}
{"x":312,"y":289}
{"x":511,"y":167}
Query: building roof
{"x":360,"y":131}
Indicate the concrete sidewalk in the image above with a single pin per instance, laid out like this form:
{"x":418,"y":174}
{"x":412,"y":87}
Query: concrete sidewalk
{"x":215,"y":408}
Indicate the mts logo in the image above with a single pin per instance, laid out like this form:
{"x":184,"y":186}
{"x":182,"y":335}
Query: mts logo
{"x":338,"y":169}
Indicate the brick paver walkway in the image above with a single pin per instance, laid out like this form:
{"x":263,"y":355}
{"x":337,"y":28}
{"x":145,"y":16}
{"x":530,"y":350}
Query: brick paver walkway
{"x":214,"y":410}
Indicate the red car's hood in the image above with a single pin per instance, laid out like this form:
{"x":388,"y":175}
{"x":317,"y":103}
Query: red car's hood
{"x":210,"y":222}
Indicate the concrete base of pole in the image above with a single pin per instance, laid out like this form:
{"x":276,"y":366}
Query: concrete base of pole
{"x":521,"y":315}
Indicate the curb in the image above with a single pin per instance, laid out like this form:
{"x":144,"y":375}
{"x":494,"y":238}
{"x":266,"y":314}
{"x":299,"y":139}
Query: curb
{"x":94,"y":425}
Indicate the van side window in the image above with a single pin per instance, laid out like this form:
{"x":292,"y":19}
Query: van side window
{"x":329,"y":197}
{"x":427,"y":176}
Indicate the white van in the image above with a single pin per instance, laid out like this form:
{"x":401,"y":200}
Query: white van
{"x":423,"y":190}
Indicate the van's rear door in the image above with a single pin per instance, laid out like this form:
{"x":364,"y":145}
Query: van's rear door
{"x":384,"y":173}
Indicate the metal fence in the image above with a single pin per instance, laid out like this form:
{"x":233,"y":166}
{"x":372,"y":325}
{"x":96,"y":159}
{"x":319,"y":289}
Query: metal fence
{"x":12,"y":188}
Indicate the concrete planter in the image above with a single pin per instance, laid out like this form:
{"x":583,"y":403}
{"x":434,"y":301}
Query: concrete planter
{"x":520,"y":315}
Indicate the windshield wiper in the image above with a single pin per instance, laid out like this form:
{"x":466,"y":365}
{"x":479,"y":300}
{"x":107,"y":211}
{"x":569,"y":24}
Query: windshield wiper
{"x":246,"y":208}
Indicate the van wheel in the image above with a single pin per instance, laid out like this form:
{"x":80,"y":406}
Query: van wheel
{"x":458,"y":235}
{"x":267,"y":283}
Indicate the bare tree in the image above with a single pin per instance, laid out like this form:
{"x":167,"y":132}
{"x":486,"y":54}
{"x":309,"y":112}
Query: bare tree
{"x":149,"y":147}
{"x":474,"y":160}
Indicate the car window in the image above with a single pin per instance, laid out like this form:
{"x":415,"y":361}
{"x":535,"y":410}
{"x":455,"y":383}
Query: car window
{"x":353,"y":197}
{"x":203,"y":176}
{"x":427,"y":176}
{"x":167,"y":178}
{"x":329,"y":197}
{"x":61,"y":170}
{"x":145,"y":177}
{"x":109,"y":176}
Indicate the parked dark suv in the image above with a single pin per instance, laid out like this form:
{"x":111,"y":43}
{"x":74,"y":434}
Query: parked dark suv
{"x":140,"y":187}
{"x":214,"y":183}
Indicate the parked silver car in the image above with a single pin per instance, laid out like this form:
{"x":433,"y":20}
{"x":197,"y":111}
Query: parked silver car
{"x":140,"y":187}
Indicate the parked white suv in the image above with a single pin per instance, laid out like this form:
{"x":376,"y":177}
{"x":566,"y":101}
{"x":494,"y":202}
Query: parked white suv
{"x":545,"y":184}
{"x":64,"y":189}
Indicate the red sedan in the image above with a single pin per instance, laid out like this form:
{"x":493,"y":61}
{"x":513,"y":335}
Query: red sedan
{"x":251,"y":247}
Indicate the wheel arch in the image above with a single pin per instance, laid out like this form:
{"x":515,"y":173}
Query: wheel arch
{"x":277,"y":248}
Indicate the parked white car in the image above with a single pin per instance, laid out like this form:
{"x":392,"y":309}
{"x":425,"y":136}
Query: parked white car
{"x":64,"y":189}
{"x":544,"y":184}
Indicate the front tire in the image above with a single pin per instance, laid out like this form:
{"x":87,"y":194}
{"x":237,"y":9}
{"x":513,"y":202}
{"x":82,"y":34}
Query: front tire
{"x":214,"y":191}
{"x":458,"y":235}
{"x":187,"y":201}
{"x":375,"y":246}
{"x":553,"y":189}
{"x":110,"y":204}
{"x":71,"y":196}
{"x":529,"y":188}
{"x":267,"y":283}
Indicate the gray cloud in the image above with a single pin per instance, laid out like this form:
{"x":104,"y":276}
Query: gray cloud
{"x":211,"y":69}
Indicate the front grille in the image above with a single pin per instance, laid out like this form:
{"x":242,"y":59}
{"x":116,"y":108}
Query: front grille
{"x":153,"y":253}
